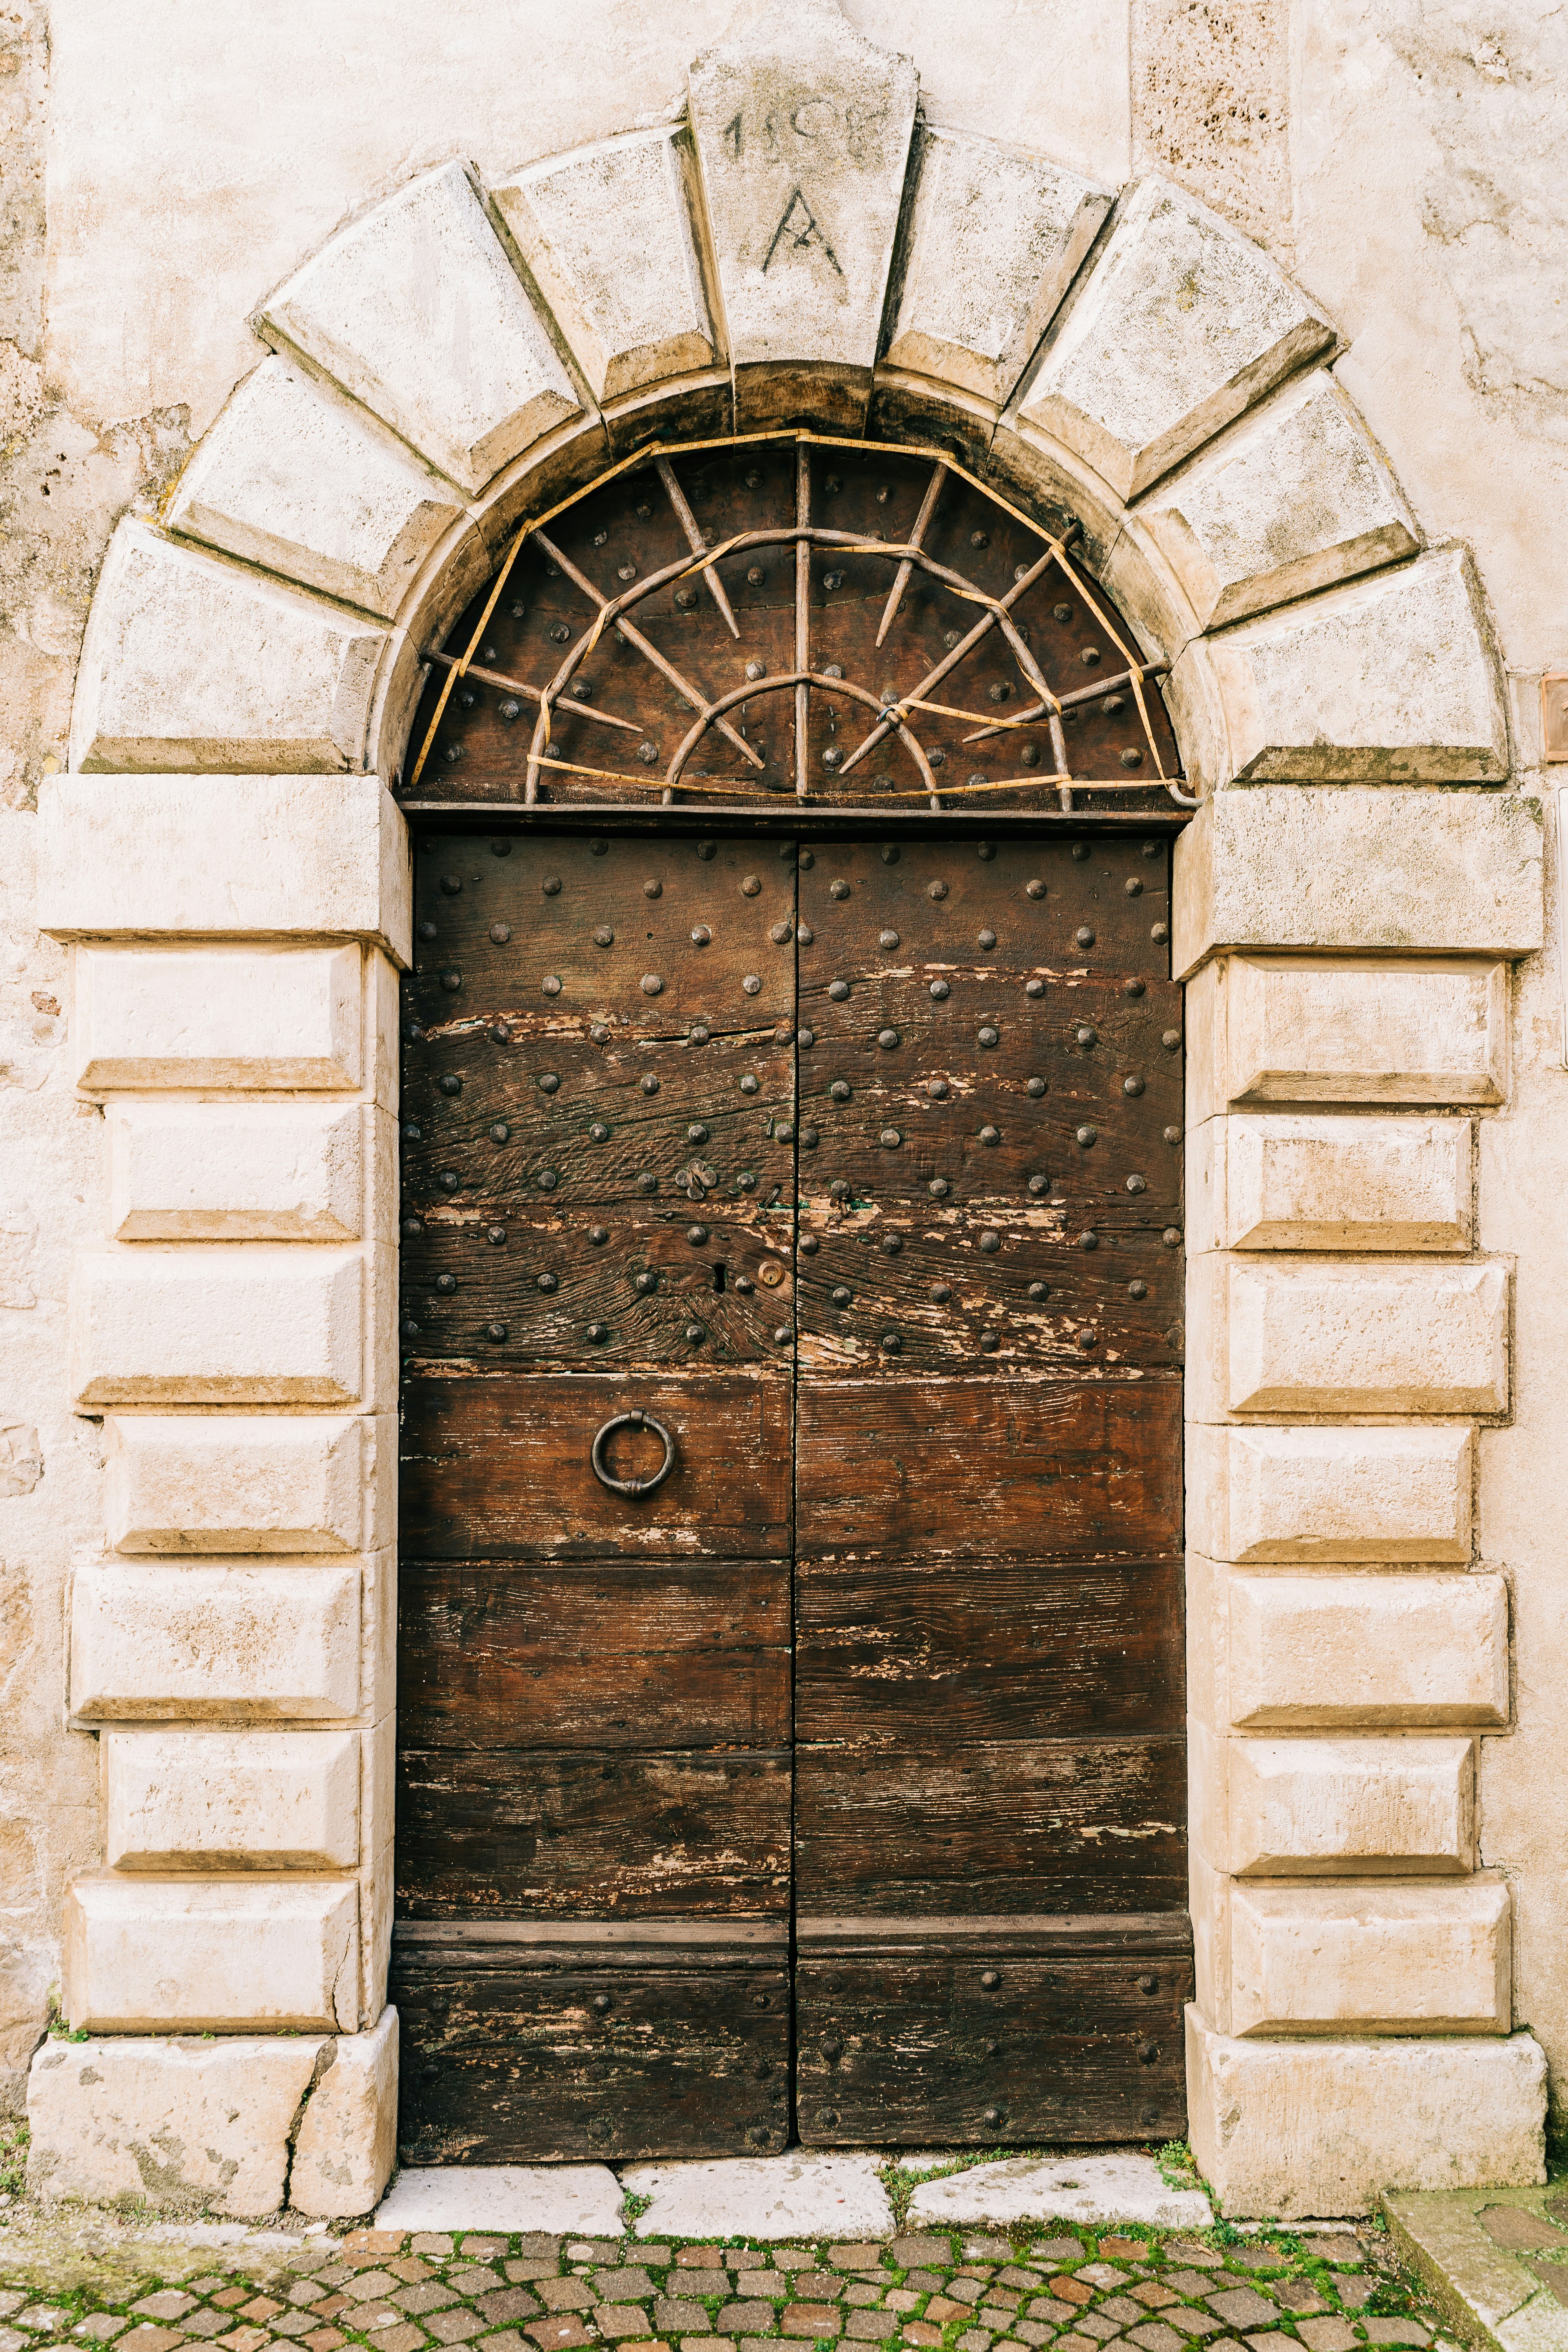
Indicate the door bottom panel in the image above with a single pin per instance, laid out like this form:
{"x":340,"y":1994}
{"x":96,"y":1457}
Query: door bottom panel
{"x":527,"y":2043}
{"x":991,"y":2032}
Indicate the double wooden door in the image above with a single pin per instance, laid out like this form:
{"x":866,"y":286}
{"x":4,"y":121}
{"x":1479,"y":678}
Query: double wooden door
{"x":791,"y":1696}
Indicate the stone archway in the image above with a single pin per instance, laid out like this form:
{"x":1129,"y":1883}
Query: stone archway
{"x":799,"y":247}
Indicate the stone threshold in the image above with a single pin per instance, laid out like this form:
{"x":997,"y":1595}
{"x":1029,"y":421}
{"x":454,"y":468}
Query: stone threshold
{"x":1495,"y":2260}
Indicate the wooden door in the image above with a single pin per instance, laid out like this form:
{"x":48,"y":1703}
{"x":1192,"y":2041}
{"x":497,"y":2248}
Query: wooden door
{"x":920,"y":1433}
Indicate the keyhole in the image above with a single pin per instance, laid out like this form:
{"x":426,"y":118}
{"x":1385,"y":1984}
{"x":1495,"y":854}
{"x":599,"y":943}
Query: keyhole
{"x":718,"y":1277}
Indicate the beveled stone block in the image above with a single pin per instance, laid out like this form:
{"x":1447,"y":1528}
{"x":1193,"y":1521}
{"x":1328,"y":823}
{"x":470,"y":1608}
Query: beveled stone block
{"x":347,"y":2142}
{"x":1265,"y":1030}
{"x":296,"y":481}
{"x":151,"y":1641}
{"x":803,"y":131}
{"x":1183,"y":324}
{"x":251,"y":1326}
{"x":1297,"y":499}
{"x":1323,"y":1493}
{"x":241,"y":1171}
{"x":212,"y":1017}
{"x":606,"y":232}
{"x":1286,"y":1337}
{"x":1390,"y":680}
{"x":997,"y":237}
{"x":198,"y":666}
{"x":231,"y":1800}
{"x":1391,"y":1960}
{"x":268,"y":857}
{"x":145,"y":1956}
{"x":1314,"y":1808}
{"x":1304,"y":1652}
{"x":239,"y":1482}
{"x":1302,"y":1183}
{"x":417,"y":313}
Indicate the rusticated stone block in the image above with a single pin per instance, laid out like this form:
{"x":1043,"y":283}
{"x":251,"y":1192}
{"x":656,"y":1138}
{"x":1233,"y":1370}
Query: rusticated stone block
{"x":254,"y":1171}
{"x":1304,"y":2127}
{"x":1309,"y":1807}
{"x":140,"y":1955}
{"x":236,"y":1016}
{"x":1182,"y":326}
{"x":232,"y":1801}
{"x":1330,"y":1494}
{"x":1297,"y":499}
{"x":198,"y":666}
{"x":1402,"y":1960}
{"x":178,"y":2125}
{"x":347,"y":2142}
{"x":152,"y":1641}
{"x":1284,"y":1336}
{"x":248,"y":1482}
{"x":416,"y":310}
{"x":258,"y":1326}
{"x":1296,"y":1184}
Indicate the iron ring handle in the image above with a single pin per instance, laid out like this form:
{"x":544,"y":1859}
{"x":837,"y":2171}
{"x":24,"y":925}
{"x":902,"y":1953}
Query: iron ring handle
{"x":632,"y":1486}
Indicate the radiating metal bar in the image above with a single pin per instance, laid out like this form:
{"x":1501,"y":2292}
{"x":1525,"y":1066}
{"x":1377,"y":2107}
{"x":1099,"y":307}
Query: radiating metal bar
{"x":796,"y":678}
{"x":1081,"y":694}
{"x":695,"y":539}
{"x":917,"y":538}
{"x":950,"y":661}
{"x":634,"y":637}
{"x":801,"y":613}
{"x":533,"y":693}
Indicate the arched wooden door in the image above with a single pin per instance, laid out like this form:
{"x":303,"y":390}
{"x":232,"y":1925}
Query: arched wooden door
{"x":791,"y":1689}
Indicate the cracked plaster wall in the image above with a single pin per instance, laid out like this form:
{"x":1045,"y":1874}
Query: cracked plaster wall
{"x":1403,"y":161}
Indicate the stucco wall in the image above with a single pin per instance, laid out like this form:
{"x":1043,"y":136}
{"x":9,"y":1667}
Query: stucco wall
{"x":165,"y":167}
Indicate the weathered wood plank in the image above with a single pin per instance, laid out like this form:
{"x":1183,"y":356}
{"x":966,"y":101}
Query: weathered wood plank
{"x":991,"y":1649}
{"x":933,"y":1469}
{"x":1022,"y":1825}
{"x":535,"y":1834}
{"x":624,"y":1655}
{"x":500,"y":1467}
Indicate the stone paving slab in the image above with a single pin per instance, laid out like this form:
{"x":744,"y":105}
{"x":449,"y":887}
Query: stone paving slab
{"x":1092,"y":2189}
{"x":769,"y":2198}
{"x":1494,"y":2260}
{"x":586,"y":2198}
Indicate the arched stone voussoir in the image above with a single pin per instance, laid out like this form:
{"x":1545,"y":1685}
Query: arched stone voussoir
{"x":194,"y":665}
{"x":994,"y":239}
{"x":803,"y":131}
{"x":1180,"y":325}
{"x":1389,"y":681}
{"x":292,"y":478}
{"x":1295,"y":498}
{"x":608,"y":232}
{"x":417,"y":311}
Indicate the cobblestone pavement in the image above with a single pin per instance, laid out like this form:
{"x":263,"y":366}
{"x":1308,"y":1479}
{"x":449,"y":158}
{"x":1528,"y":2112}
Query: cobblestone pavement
{"x":385,"y":2291}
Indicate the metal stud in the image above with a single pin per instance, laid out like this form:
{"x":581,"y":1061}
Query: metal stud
{"x":495,"y":1235}
{"x":749,"y":1085}
{"x":809,"y":1245}
{"x":886,"y":1039}
{"x":500,"y":933}
{"x":807,"y":1037}
{"x":987,"y":938}
{"x":1085,"y":936}
{"x":1036,"y":1088}
{"x":551,"y":984}
{"x":652,"y":985}
{"x":892,"y":1243}
{"x":989,"y":1034}
{"x":546,"y":1282}
{"x":783,"y":1335}
{"x":448,"y":1180}
{"x":940,"y":989}
{"x":941,"y":1293}
{"x":936,"y":890}
{"x":779,"y":934}
{"x":937,"y":1088}
{"x":648,"y":1182}
{"x":838,"y":889}
{"x":649,"y":1083}
{"x":408,"y":1328}
{"x":451,"y":884}
{"x":1034,"y":889}
{"x":1171,"y":1237}
{"x":496,"y":1331}
{"x":890,"y":853}
{"x":701,"y":935}
{"x":890,"y":1343}
{"x":745,"y":1181}
{"x":1088,"y":1336}
{"x":1038,"y":1185}
{"x":1133,"y":1086}
{"x":645,"y":1282}
{"x":599,"y":1033}
{"x":751,"y":985}
{"x":548,"y":1082}
{"x":838,"y":990}
{"x":889,"y":1138}
{"x":696,"y":1133}
{"x":841,"y":1296}
{"x":990,"y":1242}
{"x":1171,"y":1040}
{"x":1087,"y":1135}
{"x":887,"y":938}
{"x":1086,"y":1036}
{"x":427,"y":930}
{"x":451,"y":978}
{"x":694,"y":1332}
{"x":1137,"y":1290}
{"x":984,"y":851}
{"x":707,"y":849}
{"x":783,"y":1131}
{"x":699,"y":1033}
{"x":1173,"y":1134}
{"x":752,"y":885}
{"x":991,"y":1135}
{"x":548,"y":1180}
{"x":697,"y":1235}
{"x":1137,"y":1183}
{"x":1160,"y":933}
{"x":412,"y":1229}
{"x":1039,"y":1290}
{"x":446,"y":1284}
{"x":989,"y":1341}
{"x":838,"y":1190}
{"x":840,"y":1090}
{"x":1034,"y":988}
{"x":501,"y":1132}
{"x":551,"y":886}
{"x":939,"y":1188}
{"x":1133,"y":885}
{"x":990,"y":1980}
{"x":598,"y":1235}
{"x":604,"y":936}
{"x":598,"y":1132}
{"x":1132,"y":988}
{"x":598,"y":1333}
{"x":1131,"y":758}
{"x":600,"y":848}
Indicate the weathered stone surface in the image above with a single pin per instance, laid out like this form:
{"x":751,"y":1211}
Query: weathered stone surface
{"x":152,"y":1641}
{"x":217,"y":1017}
{"x":1390,"y":680}
{"x":1409,"y":872}
{"x":293,"y":478}
{"x":1125,"y":2187}
{"x":1299,"y":1183}
{"x":252,"y":1172}
{"x":1182,"y":326}
{"x":1295,"y":1653}
{"x":1328,"y":1494}
{"x":1298,"y":2128}
{"x":1406,"y":1959}
{"x":803,"y":131}
{"x":1265,"y":1030}
{"x":170,"y":2124}
{"x":233,"y":1800}
{"x":805,"y":2194}
{"x":258,"y":1326}
{"x":416,"y":310}
{"x":1279,"y":1336}
{"x":246,"y":1482}
{"x":997,"y":237}
{"x":553,"y":2198}
{"x":198,"y":666}
{"x":1296,"y":501}
{"x":1311,"y":1807}
{"x":607,"y":232}
{"x":262,"y":858}
{"x":347,"y":2141}
{"x":142,"y":1955}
